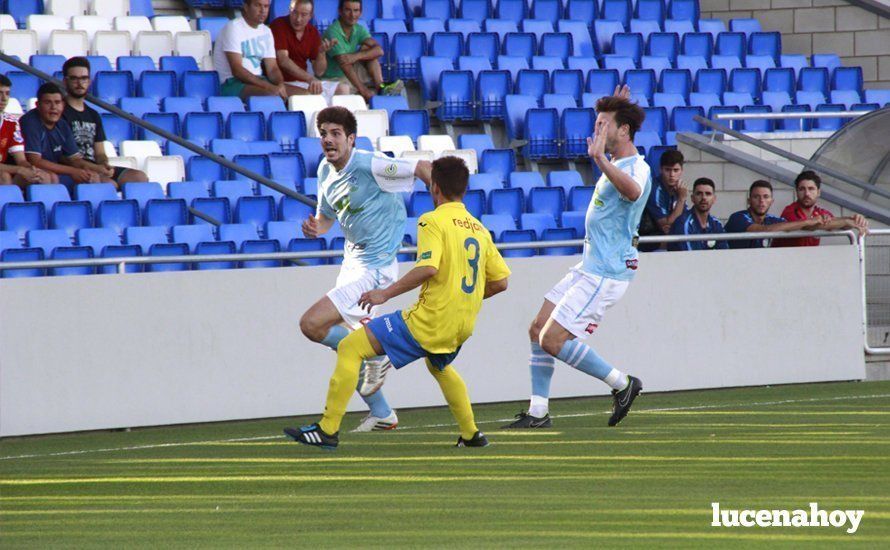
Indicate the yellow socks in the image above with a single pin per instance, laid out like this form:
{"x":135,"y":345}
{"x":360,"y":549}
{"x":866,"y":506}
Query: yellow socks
{"x":351,"y":351}
{"x":455,"y":391}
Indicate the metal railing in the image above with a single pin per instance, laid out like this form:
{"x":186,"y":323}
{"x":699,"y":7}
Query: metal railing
{"x":770,"y":116}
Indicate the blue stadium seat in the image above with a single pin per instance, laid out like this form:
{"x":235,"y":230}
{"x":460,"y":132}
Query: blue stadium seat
{"x":229,"y":148}
{"x":22,"y":255}
{"x":428,"y":26}
{"x":191,"y":235}
{"x":464,"y":26}
{"x":537,"y":222}
{"x":106,"y":243}
{"x":492,"y":88}
{"x":199,"y":84}
{"x":577,"y":125}
{"x":779,"y":80}
{"x":568,"y":82}
{"x":179,"y":64}
{"x":389,"y":103}
{"x":795,"y":125}
{"x":642,"y":82}
{"x":699,"y":44}
{"x":164,"y":121}
{"x":560,"y":234}
{"x":575,"y":219}
{"x":477,"y":142}
{"x":517,"y":106}
{"x":24,"y":86}
{"x":202,"y":128}
{"x":746,"y":26}
{"x":456,"y":95}
{"x":232,"y":190}
{"x":644,"y":27}
{"x":420,"y":203}
{"x":286,"y":169}
{"x":475,"y":203}
{"x":537,"y":27}
{"x":746,"y":80}
{"x":560,"y":102}
{"x":617,"y":10}
{"x":117,"y":214}
{"x":49,"y":194}
{"x":731,"y":43}
{"x":95,"y":193}
{"x":682,"y":119}
{"x":447,"y":44}
{"x":157,"y":84}
{"x":542,"y":134}
{"x":484,"y":44}
{"x":72,"y":253}
{"x":265,"y":104}
{"x":813,"y":79}
{"x":500,"y":162}
{"x":485,"y":183}
{"x":533,"y":83}
{"x":407,"y":48}
{"x":546,"y":63}
{"x":286,"y":128}
{"x":430,"y":69}
{"x":765,"y":43}
{"x":579,"y":199}
{"x":216,"y":208}
{"x":775,"y":100}
{"x":684,"y":9}
{"x":526,"y":181}
{"x":112,"y":86}
{"x":136,"y":64}
{"x":142,"y":192}
{"x":656,"y":63}
{"x":520,"y":44}
{"x":793,"y":61}
{"x":556,"y":44}
{"x":547,"y":10}
{"x":651,"y":10}
{"x":665,"y":44}
{"x":22,"y":217}
{"x":438,"y":9}
{"x":47,"y":240}
{"x":513,"y":64}
{"x":711,"y":81}
{"x":498,"y":223}
{"x":166,"y":213}
{"x":238,"y":233}
{"x":705,"y":100}
{"x":518,"y":236}
{"x":669,"y":101}
{"x":676,"y":81}
{"x":760,"y":62}
{"x":258,"y":164}
{"x":582,"y":10}
{"x":603,"y":31}
{"x":116,"y":128}
{"x":726,"y":62}
{"x":181,"y":106}
{"x":386,"y":62}
{"x":547,"y":200}
{"x":213,"y":25}
{"x":71,"y":216}
{"x":828,"y":61}
{"x":739,"y":99}
{"x":213,"y":248}
{"x":564,"y":179}
{"x":656,"y":120}
{"x":284,"y":231}
{"x":310,"y":150}
{"x":511,"y":10}
{"x":99,"y":63}
{"x":145,"y":237}
{"x":602,"y":82}
{"x":388,"y":26}
{"x":187,"y":190}
{"x":847,"y":78}
{"x":161,"y":249}
{"x":293,"y":210}
{"x":628,"y":45}
{"x":412,"y":123}
{"x":692,"y":63}
{"x":476,"y":10}
{"x":298,"y":244}
{"x":620,"y":63}
{"x":257,"y":211}
{"x":138,"y":106}
{"x":225,"y":105}
{"x":260,"y":247}
{"x":829,"y":124}
{"x":811,"y":98}
{"x":881,"y":97}
{"x":248,"y":126}
{"x":583,"y":44}
{"x":757,"y":125}
{"x":473,"y":63}
{"x":204,"y":170}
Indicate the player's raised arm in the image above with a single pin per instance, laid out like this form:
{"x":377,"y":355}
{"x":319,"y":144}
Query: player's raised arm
{"x":626,"y":185}
{"x":397,"y":175}
{"x":424,"y":171}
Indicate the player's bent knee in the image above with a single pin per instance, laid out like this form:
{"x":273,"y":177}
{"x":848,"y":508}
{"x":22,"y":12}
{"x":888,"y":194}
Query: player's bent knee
{"x":552,"y":342}
{"x":311,"y":328}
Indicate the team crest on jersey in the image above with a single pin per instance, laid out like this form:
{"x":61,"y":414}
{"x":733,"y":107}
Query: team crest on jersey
{"x":631,"y":264}
{"x":591,"y":328}
{"x":391,"y":170}
{"x":426,"y":255}
{"x":596,"y":196}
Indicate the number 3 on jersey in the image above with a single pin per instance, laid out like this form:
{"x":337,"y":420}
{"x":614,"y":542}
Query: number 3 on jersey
{"x":474,"y":265}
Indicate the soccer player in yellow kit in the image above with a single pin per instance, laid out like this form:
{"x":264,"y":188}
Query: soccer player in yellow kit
{"x":458,"y":266}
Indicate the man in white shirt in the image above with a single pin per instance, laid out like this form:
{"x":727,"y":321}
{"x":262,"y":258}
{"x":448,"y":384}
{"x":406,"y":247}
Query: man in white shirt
{"x":243,"y":49}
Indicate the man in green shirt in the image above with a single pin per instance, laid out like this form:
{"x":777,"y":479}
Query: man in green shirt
{"x":355,"y":56}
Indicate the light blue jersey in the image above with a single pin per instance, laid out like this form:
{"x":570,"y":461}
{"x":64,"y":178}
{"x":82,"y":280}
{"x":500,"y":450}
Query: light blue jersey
{"x":612,"y":222}
{"x":364,"y":198}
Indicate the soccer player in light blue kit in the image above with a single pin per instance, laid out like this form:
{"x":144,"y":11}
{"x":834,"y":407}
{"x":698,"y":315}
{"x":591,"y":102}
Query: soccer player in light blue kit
{"x":574,"y":308}
{"x":360,"y":189}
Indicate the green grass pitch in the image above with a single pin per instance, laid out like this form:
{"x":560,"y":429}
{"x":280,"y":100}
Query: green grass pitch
{"x":647,"y":483}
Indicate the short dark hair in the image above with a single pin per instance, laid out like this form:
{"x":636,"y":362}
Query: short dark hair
{"x":808,"y":175}
{"x":451,"y":175}
{"x":337,"y":115}
{"x":340,"y":4}
{"x":625,"y":112}
{"x":704,"y":181}
{"x":48,"y":88}
{"x":4,"y":81}
{"x":672,"y":157}
{"x":762,"y":184}
{"x":75,"y":62}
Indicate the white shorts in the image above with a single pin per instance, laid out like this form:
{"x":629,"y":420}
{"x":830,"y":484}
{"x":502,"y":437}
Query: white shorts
{"x":352,"y":282}
{"x":582,"y":299}
{"x":329,"y":88}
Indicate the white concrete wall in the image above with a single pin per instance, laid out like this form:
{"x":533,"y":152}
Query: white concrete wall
{"x":81,"y":353}
{"x":859,"y":37}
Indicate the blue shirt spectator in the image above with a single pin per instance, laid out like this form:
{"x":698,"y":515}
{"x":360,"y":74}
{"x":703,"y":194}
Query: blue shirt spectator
{"x":698,"y":220}
{"x":740,"y":221}
{"x":52,"y":144}
{"x":667,"y":200}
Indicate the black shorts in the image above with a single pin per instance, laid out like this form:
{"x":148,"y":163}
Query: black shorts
{"x":118,"y":172}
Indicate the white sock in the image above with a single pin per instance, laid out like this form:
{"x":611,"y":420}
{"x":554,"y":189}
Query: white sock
{"x":539,"y":406}
{"x":616,"y":379}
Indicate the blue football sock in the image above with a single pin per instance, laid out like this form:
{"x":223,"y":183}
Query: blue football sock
{"x":579,"y":355}
{"x":540,"y":363}
{"x":335,"y":334}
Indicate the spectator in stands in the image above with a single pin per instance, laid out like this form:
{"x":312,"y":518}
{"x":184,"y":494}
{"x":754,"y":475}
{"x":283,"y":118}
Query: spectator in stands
{"x":354,"y":57}
{"x":808,"y":186}
{"x":49,"y":141}
{"x":667,"y":201}
{"x":297,"y":42}
{"x":14,"y":166}
{"x":698,"y":219}
{"x":243,"y":49}
{"x":85,"y":122}
{"x":757,"y":218}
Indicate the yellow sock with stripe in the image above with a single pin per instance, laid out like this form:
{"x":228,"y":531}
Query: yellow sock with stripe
{"x":351,"y":351}
{"x":455,"y":391}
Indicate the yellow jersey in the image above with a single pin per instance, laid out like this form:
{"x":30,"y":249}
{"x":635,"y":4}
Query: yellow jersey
{"x":460,"y":247}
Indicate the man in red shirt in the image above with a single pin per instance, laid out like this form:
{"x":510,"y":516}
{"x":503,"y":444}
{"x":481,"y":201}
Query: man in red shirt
{"x":808,"y":186}
{"x":14,"y":167}
{"x":298,"y":41}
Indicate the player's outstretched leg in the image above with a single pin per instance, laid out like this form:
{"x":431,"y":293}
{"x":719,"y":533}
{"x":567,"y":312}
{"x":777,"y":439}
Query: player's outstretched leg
{"x":541,"y":365}
{"x":455,"y":391}
{"x":558,"y":341}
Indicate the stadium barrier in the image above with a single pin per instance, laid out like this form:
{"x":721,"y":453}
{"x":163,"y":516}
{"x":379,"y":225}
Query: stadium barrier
{"x":83,"y":353}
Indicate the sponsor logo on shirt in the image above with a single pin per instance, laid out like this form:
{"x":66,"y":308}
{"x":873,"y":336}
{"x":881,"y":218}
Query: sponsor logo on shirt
{"x":466,"y":223}
{"x":426,"y":255}
{"x":391,"y":170}
{"x":631,"y":264}
{"x":590,"y":328}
